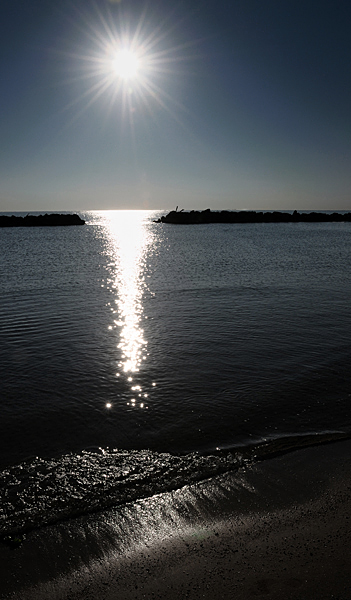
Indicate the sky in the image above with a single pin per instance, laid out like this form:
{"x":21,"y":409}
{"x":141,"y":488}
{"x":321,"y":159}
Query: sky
{"x":135,"y":104}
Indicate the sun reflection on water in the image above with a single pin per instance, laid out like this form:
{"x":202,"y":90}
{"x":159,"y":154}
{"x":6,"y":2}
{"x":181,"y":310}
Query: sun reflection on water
{"x":128,"y":239}
{"x":128,"y":242}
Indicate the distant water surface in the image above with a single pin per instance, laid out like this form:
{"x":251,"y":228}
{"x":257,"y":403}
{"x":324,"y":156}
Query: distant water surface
{"x":131,"y":335}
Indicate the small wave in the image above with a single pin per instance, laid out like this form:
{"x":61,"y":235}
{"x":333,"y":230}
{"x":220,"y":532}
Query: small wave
{"x":40,"y":492}
{"x":275,"y":446}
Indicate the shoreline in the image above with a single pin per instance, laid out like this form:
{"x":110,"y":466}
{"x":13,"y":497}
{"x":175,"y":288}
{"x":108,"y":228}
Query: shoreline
{"x":277,"y":529}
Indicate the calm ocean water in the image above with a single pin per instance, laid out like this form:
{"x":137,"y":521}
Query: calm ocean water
{"x":128,"y":346}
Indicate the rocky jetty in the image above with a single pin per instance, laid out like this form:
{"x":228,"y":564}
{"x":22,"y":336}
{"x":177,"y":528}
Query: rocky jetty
{"x":51,"y":220}
{"x":247,"y":216}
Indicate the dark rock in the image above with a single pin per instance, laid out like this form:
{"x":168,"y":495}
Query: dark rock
{"x":47,"y":220}
{"x":225,"y":216}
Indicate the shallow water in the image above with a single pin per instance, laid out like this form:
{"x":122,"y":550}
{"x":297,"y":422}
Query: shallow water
{"x":133,"y":335}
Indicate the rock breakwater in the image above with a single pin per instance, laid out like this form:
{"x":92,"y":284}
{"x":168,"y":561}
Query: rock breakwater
{"x":226,"y":216}
{"x":47,"y":220}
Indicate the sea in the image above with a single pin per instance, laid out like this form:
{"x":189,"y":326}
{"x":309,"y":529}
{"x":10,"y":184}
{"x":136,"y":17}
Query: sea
{"x":137,"y":357}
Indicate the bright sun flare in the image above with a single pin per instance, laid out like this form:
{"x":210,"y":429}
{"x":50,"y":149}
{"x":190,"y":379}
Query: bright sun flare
{"x":131,"y":67}
{"x":126,"y":64}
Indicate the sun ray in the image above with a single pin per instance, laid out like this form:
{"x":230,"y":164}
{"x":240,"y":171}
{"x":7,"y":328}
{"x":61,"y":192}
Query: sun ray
{"x":129,"y":64}
{"x":92,"y":100}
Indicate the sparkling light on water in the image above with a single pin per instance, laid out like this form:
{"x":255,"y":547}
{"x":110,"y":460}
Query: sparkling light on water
{"x":129,"y":239}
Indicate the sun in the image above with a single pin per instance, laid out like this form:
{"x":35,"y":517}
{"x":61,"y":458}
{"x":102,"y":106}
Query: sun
{"x":131,"y":67}
{"x":126,"y":64}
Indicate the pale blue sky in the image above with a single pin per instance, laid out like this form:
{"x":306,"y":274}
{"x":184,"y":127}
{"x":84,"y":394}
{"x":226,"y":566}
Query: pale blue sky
{"x":245,"y":105}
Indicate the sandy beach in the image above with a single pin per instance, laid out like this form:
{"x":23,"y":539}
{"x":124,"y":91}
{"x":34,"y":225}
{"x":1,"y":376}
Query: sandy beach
{"x":278,"y":529}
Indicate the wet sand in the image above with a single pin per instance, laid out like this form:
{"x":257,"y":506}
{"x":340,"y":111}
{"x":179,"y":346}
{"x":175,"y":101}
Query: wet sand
{"x":280,"y":529}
